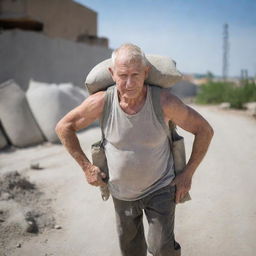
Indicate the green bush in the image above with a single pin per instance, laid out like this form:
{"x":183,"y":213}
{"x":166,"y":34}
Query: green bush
{"x":217,"y":92}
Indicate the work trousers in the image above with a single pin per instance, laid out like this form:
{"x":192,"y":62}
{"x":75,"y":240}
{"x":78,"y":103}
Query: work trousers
{"x":159,"y":208}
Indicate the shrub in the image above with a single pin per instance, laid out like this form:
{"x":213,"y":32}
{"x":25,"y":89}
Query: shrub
{"x":217,"y":92}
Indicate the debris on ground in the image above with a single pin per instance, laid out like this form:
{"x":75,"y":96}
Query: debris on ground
{"x":24,"y":211}
{"x":57,"y":227}
{"x":35,"y":166}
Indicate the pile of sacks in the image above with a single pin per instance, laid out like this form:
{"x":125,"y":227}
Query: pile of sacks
{"x":30,"y":118}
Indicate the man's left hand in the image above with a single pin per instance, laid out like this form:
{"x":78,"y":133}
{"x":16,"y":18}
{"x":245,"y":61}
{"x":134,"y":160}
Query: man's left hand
{"x":183,"y":183}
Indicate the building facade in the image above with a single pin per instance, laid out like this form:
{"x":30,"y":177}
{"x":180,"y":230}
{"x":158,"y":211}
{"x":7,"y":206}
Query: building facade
{"x":54,"y":18}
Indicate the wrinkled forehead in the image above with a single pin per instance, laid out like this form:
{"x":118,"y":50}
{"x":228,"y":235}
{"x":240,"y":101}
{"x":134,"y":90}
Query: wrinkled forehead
{"x":124,"y":59}
{"x":128,"y":66}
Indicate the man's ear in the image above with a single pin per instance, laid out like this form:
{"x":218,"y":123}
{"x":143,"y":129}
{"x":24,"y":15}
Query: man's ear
{"x":111,"y":72}
{"x":147,"y":69}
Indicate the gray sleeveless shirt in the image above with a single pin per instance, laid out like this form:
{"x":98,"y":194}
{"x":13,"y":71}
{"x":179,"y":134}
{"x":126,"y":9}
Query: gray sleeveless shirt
{"x":137,"y":150}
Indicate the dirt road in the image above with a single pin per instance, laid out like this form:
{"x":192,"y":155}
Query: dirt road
{"x":220,"y":219}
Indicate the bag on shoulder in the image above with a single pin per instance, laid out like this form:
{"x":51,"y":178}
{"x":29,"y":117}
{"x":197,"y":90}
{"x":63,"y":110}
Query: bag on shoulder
{"x":163,"y":72}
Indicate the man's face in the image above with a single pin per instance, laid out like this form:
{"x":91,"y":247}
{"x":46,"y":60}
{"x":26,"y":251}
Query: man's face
{"x":129,"y":77}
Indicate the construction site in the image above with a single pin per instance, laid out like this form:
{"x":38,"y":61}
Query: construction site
{"x":47,"y":207}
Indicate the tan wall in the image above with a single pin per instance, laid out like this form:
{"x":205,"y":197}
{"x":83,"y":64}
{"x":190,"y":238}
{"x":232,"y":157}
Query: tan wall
{"x":13,"y":8}
{"x":61,"y":18}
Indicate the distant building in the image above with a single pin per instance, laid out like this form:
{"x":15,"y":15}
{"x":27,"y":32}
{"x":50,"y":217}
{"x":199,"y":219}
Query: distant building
{"x":201,"y":79}
{"x":51,"y":41}
{"x":54,"y":18}
{"x":195,"y":79}
{"x":184,"y":89}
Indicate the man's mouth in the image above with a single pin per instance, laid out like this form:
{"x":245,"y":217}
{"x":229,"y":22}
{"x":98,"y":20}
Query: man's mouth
{"x":131,"y":90}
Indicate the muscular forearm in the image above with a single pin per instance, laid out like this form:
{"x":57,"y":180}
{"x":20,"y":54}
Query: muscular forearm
{"x":200,"y":146}
{"x":77,"y":119}
{"x":69,"y":139}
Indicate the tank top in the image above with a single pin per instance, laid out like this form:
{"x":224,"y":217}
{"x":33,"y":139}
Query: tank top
{"x":137,"y":150}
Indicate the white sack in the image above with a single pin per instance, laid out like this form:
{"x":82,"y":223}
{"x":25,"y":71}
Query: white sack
{"x":3,"y":141}
{"x":16,"y":117}
{"x":163,"y":73}
{"x":49,"y":103}
{"x":75,"y":91}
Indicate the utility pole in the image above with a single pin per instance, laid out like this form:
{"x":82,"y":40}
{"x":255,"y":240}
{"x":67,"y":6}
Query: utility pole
{"x":244,"y":76}
{"x":225,"y":52}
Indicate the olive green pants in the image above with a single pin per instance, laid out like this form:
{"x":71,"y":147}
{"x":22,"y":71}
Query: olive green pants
{"x":159,"y":208}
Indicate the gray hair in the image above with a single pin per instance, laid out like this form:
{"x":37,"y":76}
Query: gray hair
{"x":135,"y":53}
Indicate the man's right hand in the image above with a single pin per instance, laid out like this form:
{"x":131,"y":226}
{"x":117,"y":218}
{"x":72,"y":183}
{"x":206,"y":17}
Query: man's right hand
{"x":94,"y":175}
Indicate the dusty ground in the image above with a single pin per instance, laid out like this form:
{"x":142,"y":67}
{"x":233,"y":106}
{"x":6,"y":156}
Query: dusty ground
{"x":220,"y":219}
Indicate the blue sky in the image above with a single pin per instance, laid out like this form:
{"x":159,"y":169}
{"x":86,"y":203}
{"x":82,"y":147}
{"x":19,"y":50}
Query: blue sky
{"x":189,"y":31}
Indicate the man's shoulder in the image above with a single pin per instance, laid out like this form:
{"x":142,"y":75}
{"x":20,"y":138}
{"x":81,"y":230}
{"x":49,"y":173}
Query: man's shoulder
{"x":100,"y":96}
{"x":167,"y":98}
{"x":96,"y":102}
{"x":102,"y":100}
{"x":162,"y":96}
{"x":97,"y":97}
{"x":167,"y":101}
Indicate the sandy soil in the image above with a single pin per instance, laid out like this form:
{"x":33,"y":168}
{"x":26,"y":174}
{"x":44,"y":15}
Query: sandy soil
{"x":53,"y":211}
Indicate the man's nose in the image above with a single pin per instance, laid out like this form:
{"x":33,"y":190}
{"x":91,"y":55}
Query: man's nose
{"x":129,"y":82}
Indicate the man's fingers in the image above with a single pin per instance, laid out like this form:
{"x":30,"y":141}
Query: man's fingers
{"x":97,"y":181}
{"x":179,"y":195}
{"x":178,"y":192}
{"x":94,"y":176}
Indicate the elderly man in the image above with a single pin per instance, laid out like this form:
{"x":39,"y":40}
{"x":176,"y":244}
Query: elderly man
{"x":141,"y":175}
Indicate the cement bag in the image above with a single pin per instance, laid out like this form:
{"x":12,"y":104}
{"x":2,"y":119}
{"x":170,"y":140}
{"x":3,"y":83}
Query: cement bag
{"x":3,"y":141}
{"x":163,"y":73}
{"x":75,"y":91}
{"x":16,"y":117}
{"x":49,"y":104}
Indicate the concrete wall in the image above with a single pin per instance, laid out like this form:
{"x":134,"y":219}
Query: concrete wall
{"x":60,"y":18}
{"x":26,"y":55}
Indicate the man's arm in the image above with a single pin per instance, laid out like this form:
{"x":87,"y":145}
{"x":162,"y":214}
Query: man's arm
{"x":190,"y":120}
{"x":79,"y":118}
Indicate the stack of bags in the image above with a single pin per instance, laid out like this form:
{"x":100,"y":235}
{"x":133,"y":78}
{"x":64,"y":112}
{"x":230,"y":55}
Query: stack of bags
{"x":49,"y":103}
{"x":30,"y":118}
{"x":16,"y":117}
